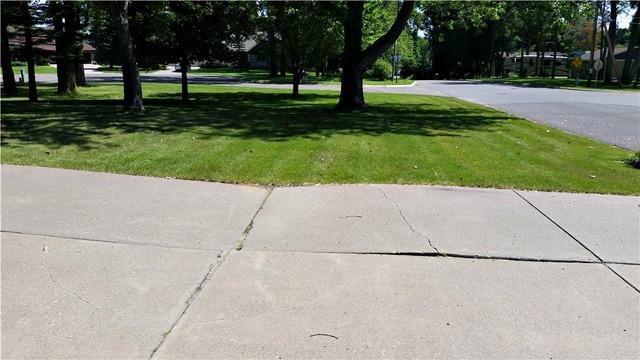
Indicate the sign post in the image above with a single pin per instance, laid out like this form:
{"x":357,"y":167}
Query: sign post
{"x":577,"y":66}
{"x":597,"y":66}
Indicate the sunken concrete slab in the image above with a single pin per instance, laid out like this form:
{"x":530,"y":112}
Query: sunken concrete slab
{"x":631,"y":273}
{"x":398,"y":218}
{"x":121,"y":208}
{"x":345,"y":218}
{"x":65,"y":298}
{"x":487,"y":222}
{"x":302,"y":305}
{"x":609,"y":225}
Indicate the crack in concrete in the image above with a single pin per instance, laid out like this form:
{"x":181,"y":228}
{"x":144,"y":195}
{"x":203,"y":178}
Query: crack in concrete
{"x":213,"y":267}
{"x":600,"y":260}
{"x":247,"y":230}
{"x":192,"y":297}
{"x":407,"y":221}
{"x":458,"y":256}
{"x":620,"y":276}
{"x":43,"y":263}
{"x":124,"y":242}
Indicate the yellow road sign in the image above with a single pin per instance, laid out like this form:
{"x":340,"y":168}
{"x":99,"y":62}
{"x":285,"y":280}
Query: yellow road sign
{"x":576,"y":63}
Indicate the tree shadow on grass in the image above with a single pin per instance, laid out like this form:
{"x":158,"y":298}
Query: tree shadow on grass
{"x":245,"y":114}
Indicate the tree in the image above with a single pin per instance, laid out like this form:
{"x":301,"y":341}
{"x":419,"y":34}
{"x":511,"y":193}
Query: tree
{"x":629,"y":71}
{"x":378,"y":16}
{"x":8,"y":78}
{"x":309,"y":32}
{"x":200,"y":35}
{"x":130,"y":74}
{"x":28,"y":43}
{"x":464,"y":35}
{"x":69,"y":25}
{"x":613,"y":14}
{"x":101,"y":33}
{"x":355,"y":60}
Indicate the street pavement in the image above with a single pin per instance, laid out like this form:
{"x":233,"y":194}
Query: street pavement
{"x":609,"y":116}
{"x":99,"y":265}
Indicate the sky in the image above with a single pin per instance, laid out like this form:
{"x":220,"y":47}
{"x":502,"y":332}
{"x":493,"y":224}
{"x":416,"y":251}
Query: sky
{"x":623,"y":20}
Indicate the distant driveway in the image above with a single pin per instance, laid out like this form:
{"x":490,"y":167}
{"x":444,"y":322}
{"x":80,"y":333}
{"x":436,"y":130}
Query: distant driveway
{"x":609,"y":116}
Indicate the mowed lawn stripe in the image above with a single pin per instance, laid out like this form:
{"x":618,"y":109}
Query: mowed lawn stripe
{"x":263,"y":136}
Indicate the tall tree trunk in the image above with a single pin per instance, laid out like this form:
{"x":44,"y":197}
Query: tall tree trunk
{"x":130,"y":74}
{"x":635,"y":67}
{"x":71,"y":45}
{"x":355,"y":61}
{"x":8,"y":78}
{"x":273,"y":54}
{"x":612,"y":35}
{"x":58,"y":31}
{"x":593,"y":42}
{"x":297,"y":74}
{"x":28,"y":44}
{"x":634,"y":28}
{"x":81,"y":80}
{"x":184,"y":67}
{"x":492,"y":50}
{"x":283,"y":60}
{"x":351,"y":92}
{"x":279,"y":18}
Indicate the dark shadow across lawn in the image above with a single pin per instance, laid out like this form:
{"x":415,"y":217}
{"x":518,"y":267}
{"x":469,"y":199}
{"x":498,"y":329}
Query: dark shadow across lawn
{"x":262,"y":115}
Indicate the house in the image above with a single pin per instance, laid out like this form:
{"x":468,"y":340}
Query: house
{"x":44,"y":46}
{"x":253,"y":52}
{"x":619,"y":53}
{"x":256,"y":53}
{"x":512,"y":63}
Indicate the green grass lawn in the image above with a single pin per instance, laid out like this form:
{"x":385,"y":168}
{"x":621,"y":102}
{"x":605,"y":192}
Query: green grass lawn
{"x":558,"y":83}
{"x":262,"y":76}
{"x":40,"y":69}
{"x":262,"y":136}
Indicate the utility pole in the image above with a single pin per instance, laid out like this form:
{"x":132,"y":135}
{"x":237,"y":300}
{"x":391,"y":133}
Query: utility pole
{"x":593,"y":42}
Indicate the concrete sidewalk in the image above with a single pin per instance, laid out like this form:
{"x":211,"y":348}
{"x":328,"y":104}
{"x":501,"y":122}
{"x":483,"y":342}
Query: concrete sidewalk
{"x":111,"y":266}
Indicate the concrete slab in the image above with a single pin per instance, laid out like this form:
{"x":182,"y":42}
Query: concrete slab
{"x":631,"y":273}
{"x":351,"y":218}
{"x":608,"y":225}
{"x":131,"y":209}
{"x":66,"y":298}
{"x":302,"y":305}
{"x":396,"y":218}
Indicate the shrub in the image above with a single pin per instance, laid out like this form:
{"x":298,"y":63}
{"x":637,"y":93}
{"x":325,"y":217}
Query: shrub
{"x":633,"y":160}
{"x":380,"y":70}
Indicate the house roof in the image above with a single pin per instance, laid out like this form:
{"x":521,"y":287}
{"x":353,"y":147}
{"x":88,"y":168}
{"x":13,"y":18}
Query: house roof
{"x":42,"y":40}
{"x":596,"y":54}
{"x":247,"y":45}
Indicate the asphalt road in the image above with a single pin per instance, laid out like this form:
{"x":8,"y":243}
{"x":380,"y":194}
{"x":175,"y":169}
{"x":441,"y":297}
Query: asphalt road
{"x":609,"y":116}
